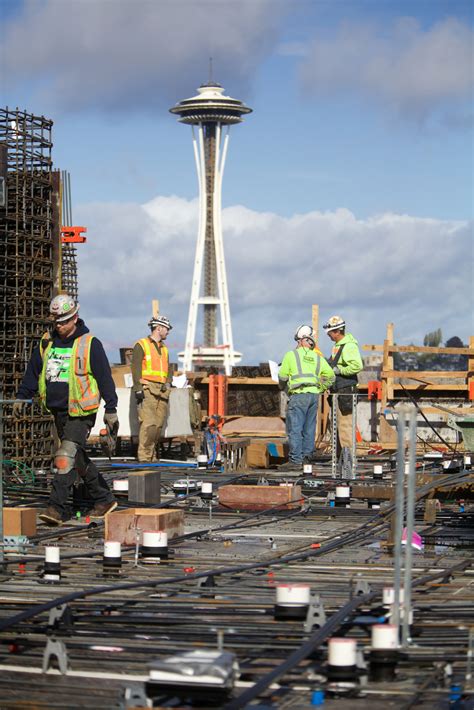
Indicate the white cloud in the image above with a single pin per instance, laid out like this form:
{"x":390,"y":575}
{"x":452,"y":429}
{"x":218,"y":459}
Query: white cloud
{"x":389,"y":267}
{"x":129,"y":54}
{"x":410,"y":69}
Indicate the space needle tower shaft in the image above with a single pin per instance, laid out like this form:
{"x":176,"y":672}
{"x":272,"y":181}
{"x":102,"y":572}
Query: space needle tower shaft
{"x":210,"y":115}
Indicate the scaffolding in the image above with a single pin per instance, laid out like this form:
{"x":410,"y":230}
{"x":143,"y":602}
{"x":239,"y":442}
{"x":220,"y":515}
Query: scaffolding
{"x":29,"y":272}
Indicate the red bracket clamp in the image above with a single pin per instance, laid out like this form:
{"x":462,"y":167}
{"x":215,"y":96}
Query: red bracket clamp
{"x":374,"y":389}
{"x":73,"y":235}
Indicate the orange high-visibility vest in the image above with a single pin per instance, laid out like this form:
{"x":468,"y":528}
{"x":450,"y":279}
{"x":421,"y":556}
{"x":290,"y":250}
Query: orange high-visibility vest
{"x":154,"y":364}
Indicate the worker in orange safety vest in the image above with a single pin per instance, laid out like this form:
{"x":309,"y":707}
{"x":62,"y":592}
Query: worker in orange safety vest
{"x":151,"y":386}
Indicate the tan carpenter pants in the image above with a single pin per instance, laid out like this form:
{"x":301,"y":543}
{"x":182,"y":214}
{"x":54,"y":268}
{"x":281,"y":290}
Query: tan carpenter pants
{"x":344,"y":428}
{"x":151,"y":416}
{"x":344,"y":422}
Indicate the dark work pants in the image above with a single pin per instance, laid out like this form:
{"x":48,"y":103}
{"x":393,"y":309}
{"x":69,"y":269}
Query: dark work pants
{"x":76,"y":429}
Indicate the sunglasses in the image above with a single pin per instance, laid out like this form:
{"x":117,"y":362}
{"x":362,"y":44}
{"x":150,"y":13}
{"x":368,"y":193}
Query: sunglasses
{"x":64,"y":322}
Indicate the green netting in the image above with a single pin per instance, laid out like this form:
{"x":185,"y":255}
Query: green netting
{"x":17,"y":474}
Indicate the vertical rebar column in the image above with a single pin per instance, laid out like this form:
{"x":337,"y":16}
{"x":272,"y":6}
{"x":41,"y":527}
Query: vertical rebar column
{"x":68,"y":251}
{"x":27,"y":278}
{"x":399,"y":513}
{"x":410,"y":518}
{"x":334,"y":436}
{"x":2,"y":557}
{"x":354,"y":436}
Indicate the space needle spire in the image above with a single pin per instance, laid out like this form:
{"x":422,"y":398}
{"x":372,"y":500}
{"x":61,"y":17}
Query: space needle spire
{"x":210,"y":114}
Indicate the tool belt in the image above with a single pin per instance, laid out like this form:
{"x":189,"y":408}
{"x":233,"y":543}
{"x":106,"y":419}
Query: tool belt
{"x":344,"y":399}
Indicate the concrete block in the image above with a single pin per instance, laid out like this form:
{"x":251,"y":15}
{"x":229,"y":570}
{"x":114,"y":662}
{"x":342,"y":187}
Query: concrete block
{"x":260,"y":497}
{"x":122,"y":525}
{"x":144,"y":487}
{"x":19,"y":521}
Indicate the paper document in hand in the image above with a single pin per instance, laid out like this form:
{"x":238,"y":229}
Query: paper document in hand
{"x":273,"y":370}
{"x":179,"y":381}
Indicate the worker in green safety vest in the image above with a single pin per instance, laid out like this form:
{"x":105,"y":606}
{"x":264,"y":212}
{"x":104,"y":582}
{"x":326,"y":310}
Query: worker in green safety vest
{"x":303,"y":374}
{"x":70,"y":372}
{"x":346,"y":363}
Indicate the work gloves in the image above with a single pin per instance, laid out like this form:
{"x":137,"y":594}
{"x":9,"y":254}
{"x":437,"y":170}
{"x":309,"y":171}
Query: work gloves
{"x":111,"y":421}
{"x":139,"y":397}
{"x":18,"y":410}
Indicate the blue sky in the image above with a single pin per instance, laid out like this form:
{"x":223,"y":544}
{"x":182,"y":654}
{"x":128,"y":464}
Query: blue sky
{"x":359,"y":155}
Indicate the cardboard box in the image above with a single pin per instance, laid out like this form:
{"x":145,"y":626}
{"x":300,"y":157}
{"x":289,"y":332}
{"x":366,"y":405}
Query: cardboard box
{"x":19,"y":521}
{"x":122,"y":525}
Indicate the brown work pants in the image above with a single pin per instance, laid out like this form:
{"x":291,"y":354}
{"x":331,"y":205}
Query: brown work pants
{"x":151,"y":416}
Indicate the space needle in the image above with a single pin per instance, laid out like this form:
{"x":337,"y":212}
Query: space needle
{"x":210,"y":114}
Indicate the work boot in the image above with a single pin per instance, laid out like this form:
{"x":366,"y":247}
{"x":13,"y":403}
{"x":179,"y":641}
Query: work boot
{"x":101,"y":509}
{"x":290,"y":466}
{"x":51,"y":517}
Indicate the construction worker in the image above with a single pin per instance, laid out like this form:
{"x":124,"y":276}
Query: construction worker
{"x":304,"y":373}
{"x":70,"y":371}
{"x":346,"y":363}
{"x":151,"y":385}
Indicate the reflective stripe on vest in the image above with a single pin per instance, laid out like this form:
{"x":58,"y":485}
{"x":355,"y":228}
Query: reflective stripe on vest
{"x":304,"y":379}
{"x":44,"y":342}
{"x":154,"y":365}
{"x":84,"y":395}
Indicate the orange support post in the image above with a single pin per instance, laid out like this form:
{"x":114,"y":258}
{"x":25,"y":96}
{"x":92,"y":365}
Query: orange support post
{"x":212,"y":397}
{"x":217,"y":399}
{"x":221,"y":395}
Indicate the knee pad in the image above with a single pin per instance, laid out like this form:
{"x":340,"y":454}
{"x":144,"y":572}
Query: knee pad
{"x":65,"y":456}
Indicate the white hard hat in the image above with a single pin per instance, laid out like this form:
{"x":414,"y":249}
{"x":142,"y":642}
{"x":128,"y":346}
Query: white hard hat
{"x":63,"y":307}
{"x":334,"y":323}
{"x":305,"y":331}
{"x":160,"y":320}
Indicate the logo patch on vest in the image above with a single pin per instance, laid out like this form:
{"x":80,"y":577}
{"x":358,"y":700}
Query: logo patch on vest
{"x":57,"y":367}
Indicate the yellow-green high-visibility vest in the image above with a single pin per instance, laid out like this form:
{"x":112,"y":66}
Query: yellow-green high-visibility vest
{"x":84,"y":395}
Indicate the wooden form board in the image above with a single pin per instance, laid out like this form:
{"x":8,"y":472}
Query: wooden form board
{"x":424,"y":378}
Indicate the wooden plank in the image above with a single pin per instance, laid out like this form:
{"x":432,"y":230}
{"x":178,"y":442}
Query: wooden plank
{"x":417,"y":374}
{"x":387,"y":433}
{"x":426,"y":349}
{"x":257,"y":455}
{"x":440,"y":387}
{"x":155,"y":307}
{"x":315,"y":320}
{"x":123,"y":525}
{"x":251,"y":497}
{"x":446,"y":411}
